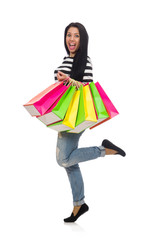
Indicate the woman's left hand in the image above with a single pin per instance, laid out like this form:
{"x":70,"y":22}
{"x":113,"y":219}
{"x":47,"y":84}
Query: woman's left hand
{"x":61,"y":76}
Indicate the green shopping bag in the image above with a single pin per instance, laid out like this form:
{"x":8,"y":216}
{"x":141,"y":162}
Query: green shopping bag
{"x":63,"y":104}
{"x":61,"y":108}
{"x":101,"y":111}
{"x":86,"y":113}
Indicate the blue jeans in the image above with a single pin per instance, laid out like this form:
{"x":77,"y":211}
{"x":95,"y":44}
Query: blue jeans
{"x":68,"y":155}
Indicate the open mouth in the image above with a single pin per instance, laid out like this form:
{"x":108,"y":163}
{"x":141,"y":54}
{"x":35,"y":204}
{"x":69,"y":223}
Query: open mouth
{"x":72,"y":46}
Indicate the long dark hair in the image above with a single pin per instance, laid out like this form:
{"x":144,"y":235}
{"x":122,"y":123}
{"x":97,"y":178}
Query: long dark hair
{"x":80,"y":59}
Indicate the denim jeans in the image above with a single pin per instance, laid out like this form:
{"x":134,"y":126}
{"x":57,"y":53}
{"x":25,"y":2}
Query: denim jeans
{"x":68,"y":155}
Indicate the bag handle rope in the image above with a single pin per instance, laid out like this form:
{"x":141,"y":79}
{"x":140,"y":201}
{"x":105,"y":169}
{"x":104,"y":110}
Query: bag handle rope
{"x":73,"y":82}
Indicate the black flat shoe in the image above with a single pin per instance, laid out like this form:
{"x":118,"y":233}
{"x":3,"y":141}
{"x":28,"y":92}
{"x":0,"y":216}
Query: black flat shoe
{"x":107,"y":144}
{"x":84,"y":208}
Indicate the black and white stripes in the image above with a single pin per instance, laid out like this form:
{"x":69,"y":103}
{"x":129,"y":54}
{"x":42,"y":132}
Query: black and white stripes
{"x":66,"y":67}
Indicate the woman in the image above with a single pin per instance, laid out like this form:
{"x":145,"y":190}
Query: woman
{"x":77,"y":67}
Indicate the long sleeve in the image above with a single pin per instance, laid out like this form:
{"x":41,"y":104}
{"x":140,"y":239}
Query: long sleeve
{"x":66,"y":67}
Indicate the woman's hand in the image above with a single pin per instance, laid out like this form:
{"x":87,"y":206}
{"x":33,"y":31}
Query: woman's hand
{"x":61,"y":76}
{"x":75,"y":83}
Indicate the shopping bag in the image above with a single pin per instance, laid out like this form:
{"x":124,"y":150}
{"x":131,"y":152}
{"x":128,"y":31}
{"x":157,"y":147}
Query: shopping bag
{"x":70,"y":117}
{"x":59,"y":127}
{"x":71,"y":114}
{"x":58,"y":112}
{"x":86,"y":115}
{"x":43,"y":101}
{"x":101,"y":111}
{"x":49,"y":117}
{"x":110,"y":108}
{"x":62,"y":106}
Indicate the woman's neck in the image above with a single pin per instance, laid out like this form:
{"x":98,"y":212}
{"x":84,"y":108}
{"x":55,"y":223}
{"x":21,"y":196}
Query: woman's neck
{"x":72,"y":54}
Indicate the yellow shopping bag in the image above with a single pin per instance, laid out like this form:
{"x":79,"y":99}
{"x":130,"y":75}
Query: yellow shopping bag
{"x":71,"y":114}
{"x":86,"y":115}
{"x":90,"y":114}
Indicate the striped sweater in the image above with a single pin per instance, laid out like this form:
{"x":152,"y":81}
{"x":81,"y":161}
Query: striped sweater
{"x":66,"y":67}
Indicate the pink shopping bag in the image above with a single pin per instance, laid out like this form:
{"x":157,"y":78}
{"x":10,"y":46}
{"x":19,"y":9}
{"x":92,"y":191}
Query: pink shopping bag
{"x":43,"y":101}
{"x":112,"y":111}
{"x":55,"y":112}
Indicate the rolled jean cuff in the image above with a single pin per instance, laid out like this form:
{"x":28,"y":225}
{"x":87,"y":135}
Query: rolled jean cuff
{"x":79,"y":203}
{"x":102,"y":149}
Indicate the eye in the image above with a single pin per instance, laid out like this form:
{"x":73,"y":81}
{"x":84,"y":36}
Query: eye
{"x":77,"y":36}
{"x":68,"y":35}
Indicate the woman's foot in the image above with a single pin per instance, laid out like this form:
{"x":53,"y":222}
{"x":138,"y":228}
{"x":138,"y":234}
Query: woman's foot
{"x":77,"y":212}
{"x":111,"y":149}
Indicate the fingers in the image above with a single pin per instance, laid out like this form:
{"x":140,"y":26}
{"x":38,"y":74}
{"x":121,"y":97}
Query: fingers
{"x":61,"y":73}
{"x":58,"y":76}
{"x":61,"y":76}
{"x":75,"y":83}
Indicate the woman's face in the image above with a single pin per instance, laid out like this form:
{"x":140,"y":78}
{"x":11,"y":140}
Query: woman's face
{"x":73,"y":40}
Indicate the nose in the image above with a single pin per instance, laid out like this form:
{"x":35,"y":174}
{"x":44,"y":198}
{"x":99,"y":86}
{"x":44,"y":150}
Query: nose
{"x":72,"y":37}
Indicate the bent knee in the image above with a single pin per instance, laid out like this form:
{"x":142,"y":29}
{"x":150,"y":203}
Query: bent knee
{"x":62,"y":162}
{"x":58,"y":157}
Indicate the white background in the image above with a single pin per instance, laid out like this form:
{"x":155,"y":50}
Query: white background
{"x":122,"y":193}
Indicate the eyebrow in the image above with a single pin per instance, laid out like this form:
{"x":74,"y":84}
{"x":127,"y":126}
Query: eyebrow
{"x":74,"y":33}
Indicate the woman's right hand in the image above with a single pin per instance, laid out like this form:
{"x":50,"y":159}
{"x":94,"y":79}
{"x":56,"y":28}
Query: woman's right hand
{"x":61,"y":76}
